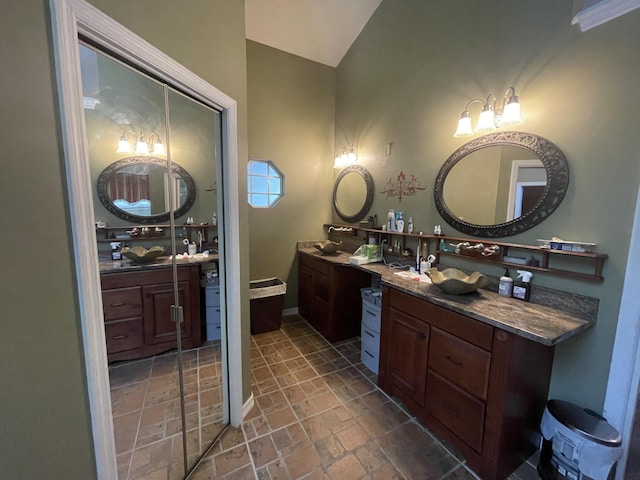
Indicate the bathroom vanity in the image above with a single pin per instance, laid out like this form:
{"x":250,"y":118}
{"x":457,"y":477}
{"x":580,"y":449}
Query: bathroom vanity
{"x":474,"y":368}
{"x":326,"y":293}
{"x":137,"y":308}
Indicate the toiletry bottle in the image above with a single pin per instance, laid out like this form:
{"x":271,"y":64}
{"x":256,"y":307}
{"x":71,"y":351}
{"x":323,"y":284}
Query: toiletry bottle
{"x":115,"y":251}
{"x":214,"y":219}
{"x":400,"y":225}
{"x":522,"y":288}
{"x":410,"y":225}
{"x":391,"y":220}
{"x":443,"y":246}
{"x":505,"y":288}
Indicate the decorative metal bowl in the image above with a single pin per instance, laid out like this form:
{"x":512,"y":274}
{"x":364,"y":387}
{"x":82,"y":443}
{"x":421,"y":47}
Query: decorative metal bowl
{"x":456,"y":282}
{"x":327,"y":246}
{"x":141,"y":254}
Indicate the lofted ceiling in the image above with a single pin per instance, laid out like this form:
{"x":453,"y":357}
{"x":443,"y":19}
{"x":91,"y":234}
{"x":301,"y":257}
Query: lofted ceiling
{"x":319,"y":30}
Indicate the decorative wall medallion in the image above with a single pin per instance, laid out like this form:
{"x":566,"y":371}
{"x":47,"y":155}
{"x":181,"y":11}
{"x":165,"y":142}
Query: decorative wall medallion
{"x":402,"y":186}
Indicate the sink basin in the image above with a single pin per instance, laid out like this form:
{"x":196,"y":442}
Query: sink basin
{"x":456,"y":282}
{"x":413,"y":276}
{"x":327,"y":246}
{"x":142,"y":255}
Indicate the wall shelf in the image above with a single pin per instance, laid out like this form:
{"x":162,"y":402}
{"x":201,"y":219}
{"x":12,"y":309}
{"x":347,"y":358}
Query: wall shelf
{"x":117,"y":234}
{"x":547,"y":258}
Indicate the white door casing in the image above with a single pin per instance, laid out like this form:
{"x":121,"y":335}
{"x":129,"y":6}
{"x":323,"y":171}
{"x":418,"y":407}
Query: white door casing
{"x":69,"y":19}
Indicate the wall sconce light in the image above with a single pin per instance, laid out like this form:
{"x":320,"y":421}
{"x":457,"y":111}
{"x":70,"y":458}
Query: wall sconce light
{"x":140,"y":147}
{"x":490,"y":118}
{"x":346,"y":157}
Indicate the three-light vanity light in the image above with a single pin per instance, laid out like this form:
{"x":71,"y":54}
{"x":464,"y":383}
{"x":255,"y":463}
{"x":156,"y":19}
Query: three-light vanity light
{"x":346,"y":157}
{"x":491,"y":118}
{"x":139,"y":145}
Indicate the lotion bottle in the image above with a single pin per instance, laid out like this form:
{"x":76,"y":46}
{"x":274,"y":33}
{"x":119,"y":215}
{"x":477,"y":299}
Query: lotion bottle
{"x":391,"y":220}
{"x":505,"y":288}
{"x":522,"y":289}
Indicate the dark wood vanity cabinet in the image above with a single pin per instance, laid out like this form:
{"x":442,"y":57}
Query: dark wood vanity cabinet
{"x":137,"y":311}
{"x":479,"y":387}
{"x":329,"y":296}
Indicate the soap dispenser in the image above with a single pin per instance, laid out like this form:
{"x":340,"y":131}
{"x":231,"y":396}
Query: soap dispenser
{"x":115,"y":251}
{"x":522,"y":288}
{"x":505,"y":287}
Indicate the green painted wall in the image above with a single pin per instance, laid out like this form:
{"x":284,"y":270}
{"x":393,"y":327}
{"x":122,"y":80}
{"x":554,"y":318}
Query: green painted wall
{"x":417,"y":63}
{"x":291,"y":112}
{"x":45,"y":423}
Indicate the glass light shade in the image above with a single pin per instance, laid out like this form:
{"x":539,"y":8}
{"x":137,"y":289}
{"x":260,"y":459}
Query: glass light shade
{"x":142,"y":148}
{"x":352,"y":157}
{"x":464,"y":126}
{"x":158,"y":148}
{"x":339,"y":163}
{"x":124,"y":146}
{"x":511,"y":115}
{"x":486,"y":122}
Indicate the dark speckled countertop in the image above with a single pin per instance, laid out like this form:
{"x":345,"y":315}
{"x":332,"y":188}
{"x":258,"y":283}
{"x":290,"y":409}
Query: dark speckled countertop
{"x":539,"y":323}
{"x":126,"y":265}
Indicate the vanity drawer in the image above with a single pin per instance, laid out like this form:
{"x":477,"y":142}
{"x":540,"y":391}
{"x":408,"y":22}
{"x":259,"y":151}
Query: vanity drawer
{"x":460,"y":362}
{"x":212,"y":295}
{"x":455,"y":409}
{"x":317,"y":265}
{"x":122,"y":303}
{"x":124,"y":335}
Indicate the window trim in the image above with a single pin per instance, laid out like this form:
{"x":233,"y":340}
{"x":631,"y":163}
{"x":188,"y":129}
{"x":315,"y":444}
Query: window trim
{"x":280,"y":176}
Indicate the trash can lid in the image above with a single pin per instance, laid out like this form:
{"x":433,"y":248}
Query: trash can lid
{"x":584,"y":422}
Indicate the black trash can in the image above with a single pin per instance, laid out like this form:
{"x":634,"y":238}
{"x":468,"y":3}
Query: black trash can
{"x":577,"y":444}
{"x":267,"y":300}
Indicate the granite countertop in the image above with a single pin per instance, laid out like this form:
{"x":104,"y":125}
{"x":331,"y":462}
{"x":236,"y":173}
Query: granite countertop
{"x":125,"y":265}
{"x":542,"y":324}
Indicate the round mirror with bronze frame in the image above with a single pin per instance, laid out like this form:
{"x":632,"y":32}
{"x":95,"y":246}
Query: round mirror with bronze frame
{"x":353,"y":193}
{"x":553,"y":187}
{"x":136,"y":189}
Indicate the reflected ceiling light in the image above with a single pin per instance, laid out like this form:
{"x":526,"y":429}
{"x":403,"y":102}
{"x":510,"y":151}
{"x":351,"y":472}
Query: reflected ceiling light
{"x":346,"y":157}
{"x":490,"y":118}
{"x":141,"y":146}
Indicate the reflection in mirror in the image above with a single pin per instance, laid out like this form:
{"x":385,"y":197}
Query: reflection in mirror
{"x":353,"y":193}
{"x":501,"y":179}
{"x":136,"y":189}
{"x":501,"y":184}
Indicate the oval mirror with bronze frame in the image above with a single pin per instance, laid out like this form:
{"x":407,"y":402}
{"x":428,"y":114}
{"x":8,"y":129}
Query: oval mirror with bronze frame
{"x":551,"y":190}
{"x":353,"y":193}
{"x":136,"y":189}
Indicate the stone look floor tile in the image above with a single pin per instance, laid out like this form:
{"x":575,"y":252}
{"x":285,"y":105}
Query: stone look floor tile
{"x":318,"y":415}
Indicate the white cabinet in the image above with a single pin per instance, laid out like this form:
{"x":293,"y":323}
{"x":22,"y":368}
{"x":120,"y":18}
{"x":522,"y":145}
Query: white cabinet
{"x":212,"y":303}
{"x":370,"y":328}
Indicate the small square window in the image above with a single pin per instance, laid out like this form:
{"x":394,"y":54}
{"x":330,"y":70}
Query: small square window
{"x":265,"y":183}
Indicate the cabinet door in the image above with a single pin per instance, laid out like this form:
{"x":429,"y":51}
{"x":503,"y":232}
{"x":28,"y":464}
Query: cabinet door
{"x":158,"y":327}
{"x":305,"y":291}
{"x":407,"y":353}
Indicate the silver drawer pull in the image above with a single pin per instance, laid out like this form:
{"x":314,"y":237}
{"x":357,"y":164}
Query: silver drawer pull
{"x":117,"y":304}
{"x":119,"y":337}
{"x":457,"y":363}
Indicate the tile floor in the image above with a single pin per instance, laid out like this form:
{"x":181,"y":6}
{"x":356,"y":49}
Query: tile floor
{"x":146,"y":411}
{"x":318,"y":414}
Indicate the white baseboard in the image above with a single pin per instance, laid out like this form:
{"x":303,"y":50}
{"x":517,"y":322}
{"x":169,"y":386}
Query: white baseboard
{"x":290,"y":311}
{"x":248,"y":405}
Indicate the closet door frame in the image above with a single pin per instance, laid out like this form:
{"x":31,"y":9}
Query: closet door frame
{"x":71,"y":19}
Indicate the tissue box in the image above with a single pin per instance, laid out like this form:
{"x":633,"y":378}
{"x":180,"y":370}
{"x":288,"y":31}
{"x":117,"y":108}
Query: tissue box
{"x":567,"y":246}
{"x":370,"y":251}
